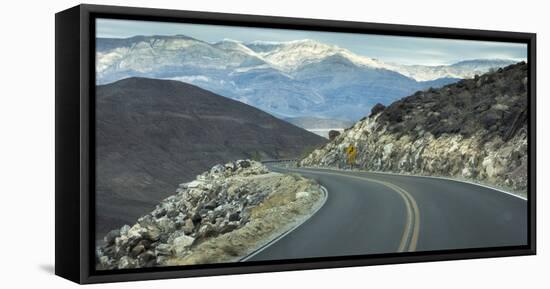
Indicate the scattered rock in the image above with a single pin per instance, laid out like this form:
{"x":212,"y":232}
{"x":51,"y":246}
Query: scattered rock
{"x":213,"y":204}
{"x":300,"y":195}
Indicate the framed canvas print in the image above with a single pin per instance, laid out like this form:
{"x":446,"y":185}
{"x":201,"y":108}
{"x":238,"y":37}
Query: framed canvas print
{"x":193,"y":144}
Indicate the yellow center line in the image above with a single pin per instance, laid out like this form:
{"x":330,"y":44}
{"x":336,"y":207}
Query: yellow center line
{"x":412,"y":226}
{"x":416,"y":230}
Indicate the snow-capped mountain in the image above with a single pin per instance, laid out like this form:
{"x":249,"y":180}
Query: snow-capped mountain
{"x":463,"y":69}
{"x":286,"y":79}
{"x":291,"y":55}
{"x":165,"y":56}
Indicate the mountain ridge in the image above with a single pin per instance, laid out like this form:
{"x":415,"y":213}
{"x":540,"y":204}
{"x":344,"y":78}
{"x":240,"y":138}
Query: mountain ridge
{"x":275,"y":77}
{"x":282,"y":50}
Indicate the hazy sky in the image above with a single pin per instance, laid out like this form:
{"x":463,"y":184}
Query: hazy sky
{"x":403,"y":50}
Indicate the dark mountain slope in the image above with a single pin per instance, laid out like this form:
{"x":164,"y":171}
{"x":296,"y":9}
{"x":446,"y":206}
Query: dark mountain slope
{"x":474,"y":129}
{"x":155,"y":134}
{"x":491,"y":102}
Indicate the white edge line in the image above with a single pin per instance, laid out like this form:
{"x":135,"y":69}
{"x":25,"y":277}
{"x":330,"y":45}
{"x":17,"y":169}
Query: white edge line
{"x":431,"y":177}
{"x":273,"y":241}
{"x":456,"y":180}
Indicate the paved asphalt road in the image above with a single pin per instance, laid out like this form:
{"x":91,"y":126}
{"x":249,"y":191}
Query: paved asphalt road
{"x":368,"y":213}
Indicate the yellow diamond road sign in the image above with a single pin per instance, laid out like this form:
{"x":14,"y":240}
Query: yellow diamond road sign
{"x":351,"y":150}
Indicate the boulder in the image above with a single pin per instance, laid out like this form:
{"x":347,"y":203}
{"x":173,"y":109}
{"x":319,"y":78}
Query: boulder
{"x":211,"y":205}
{"x":152,"y":233}
{"x":206,"y":231}
{"x":124,"y":230}
{"x":377,"y":108}
{"x":145,"y":243}
{"x":126,"y":262}
{"x":300,"y":195}
{"x":194,"y":184}
{"x":188,"y":227}
{"x":181,"y":244}
{"x":172,"y":214}
{"x":163,"y":250}
{"x":160,"y":212}
{"x":217,"y":169}
{"x":332,"y":134}
{"x":106,"y":262}
{"x":165,"y":224}
{"x":147,"y":258}
{"x":244,"y":164}
{"x":231,"y":167}
{"x":138,"y":249}
{"x":235,"y":216}
{"x":196,"y":218}
{"x":135,"y":231}
{"x":226,"y":228}
{"x":111,"y":236}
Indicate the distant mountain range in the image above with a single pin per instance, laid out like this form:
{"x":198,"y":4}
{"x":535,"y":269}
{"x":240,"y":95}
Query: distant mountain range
{"x":287,"y":79}
{"x":155,"y":134}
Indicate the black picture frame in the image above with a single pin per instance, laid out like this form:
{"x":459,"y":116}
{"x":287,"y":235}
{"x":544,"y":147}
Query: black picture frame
{"x":75,"y":142}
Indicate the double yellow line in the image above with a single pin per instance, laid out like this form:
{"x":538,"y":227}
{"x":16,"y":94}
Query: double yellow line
{"x":412,"y":228}
{"x":409,"y":239}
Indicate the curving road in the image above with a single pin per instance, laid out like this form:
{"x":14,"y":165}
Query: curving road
{"x":370,"y":213}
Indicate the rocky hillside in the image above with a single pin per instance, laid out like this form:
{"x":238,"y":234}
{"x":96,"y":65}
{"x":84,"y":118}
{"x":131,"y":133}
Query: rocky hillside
{"x":154,"y":134}
{"x":223,"y":215}
{"x":475,"y":129}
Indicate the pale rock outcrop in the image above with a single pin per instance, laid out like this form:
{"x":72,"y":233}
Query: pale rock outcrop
{"x":475,"y":130}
